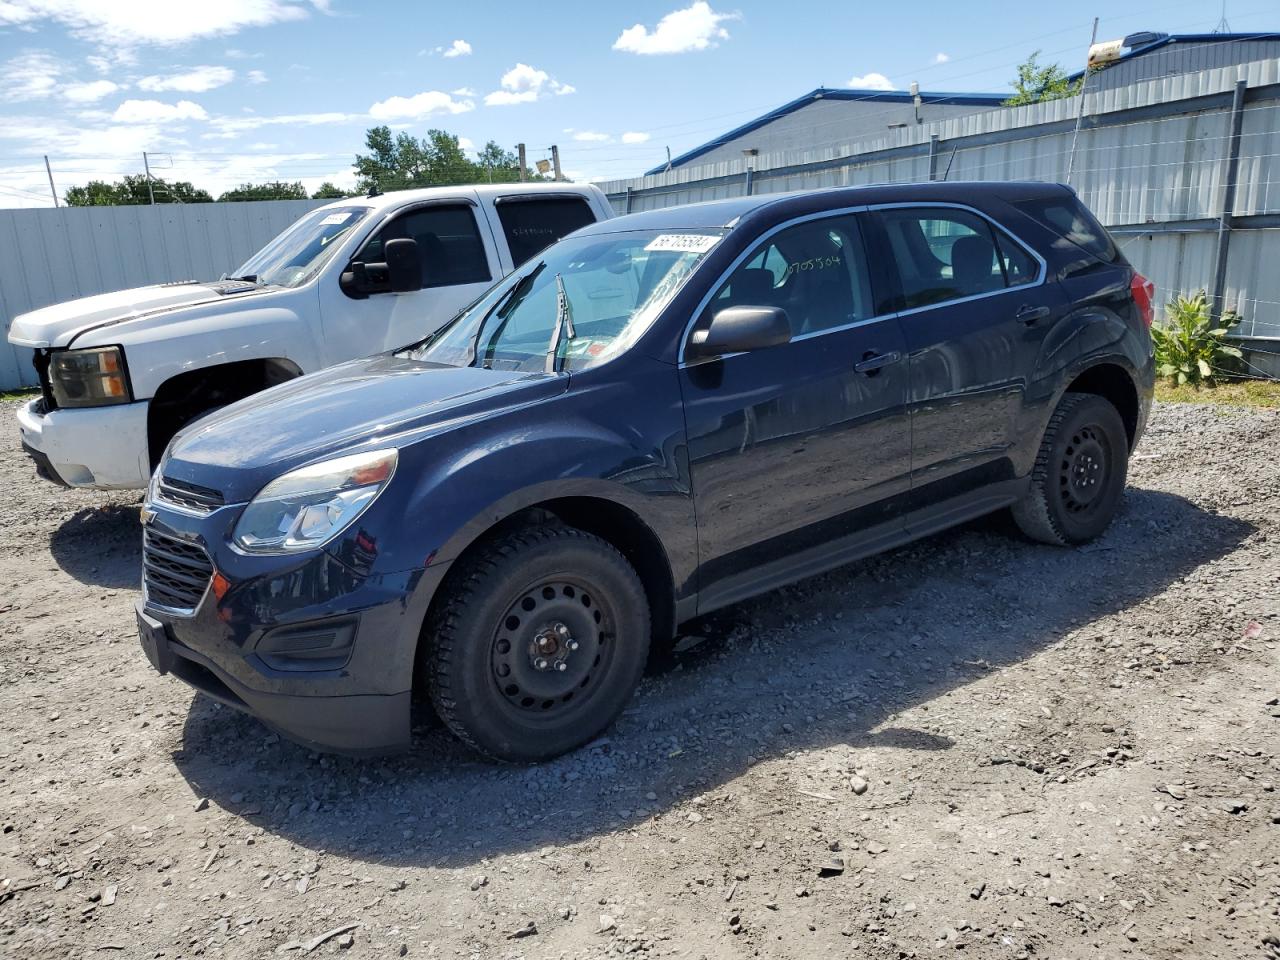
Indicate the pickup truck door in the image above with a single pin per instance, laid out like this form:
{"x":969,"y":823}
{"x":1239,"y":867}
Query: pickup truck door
{"x":459,"y":259}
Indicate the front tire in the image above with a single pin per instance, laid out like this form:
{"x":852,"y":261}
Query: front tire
{"x":538,"y":645}
{"x":1079,"y":474}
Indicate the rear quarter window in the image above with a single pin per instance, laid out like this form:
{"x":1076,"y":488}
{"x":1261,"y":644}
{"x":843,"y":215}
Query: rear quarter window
{"x":1069,"y":218}
{"x":530,"y":226}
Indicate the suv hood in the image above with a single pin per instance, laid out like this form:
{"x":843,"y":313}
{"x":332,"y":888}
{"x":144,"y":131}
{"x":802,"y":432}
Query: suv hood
{"x":384,"y":400}
{"x":58,"y":325}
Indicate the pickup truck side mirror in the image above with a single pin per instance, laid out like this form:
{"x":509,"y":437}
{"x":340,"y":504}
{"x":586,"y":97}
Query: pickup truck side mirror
{"x":401,"y":271}
{"x":738,"y":329}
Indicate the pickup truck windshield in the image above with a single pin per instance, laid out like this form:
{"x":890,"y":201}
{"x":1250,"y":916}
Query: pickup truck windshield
{"x":297,"y":255}
{"x":586,"y":300}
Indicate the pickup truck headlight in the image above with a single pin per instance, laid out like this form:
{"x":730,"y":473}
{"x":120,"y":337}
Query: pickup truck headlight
{"x":306,"y":508}
{"x":88,"y":378}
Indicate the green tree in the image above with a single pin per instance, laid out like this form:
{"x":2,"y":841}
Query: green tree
{"x":327,"y":191}
{"x":1037,"y":84}
{"x":403,"y":162}
{"x":134,"y":189}
{"x":275,"y":190}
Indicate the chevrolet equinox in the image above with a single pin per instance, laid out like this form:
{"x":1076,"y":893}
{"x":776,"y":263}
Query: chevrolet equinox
{"x":657,"y":416}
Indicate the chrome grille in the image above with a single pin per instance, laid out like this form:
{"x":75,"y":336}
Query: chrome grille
{"x":175,"y":573}
{"x":189,"y":496}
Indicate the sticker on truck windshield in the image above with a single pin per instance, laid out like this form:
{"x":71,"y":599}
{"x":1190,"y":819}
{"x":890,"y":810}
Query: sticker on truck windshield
{"x":682,"y":242}
{"x":335,"y":218}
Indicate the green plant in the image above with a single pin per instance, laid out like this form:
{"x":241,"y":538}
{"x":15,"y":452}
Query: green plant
{"x":1188,"y":348}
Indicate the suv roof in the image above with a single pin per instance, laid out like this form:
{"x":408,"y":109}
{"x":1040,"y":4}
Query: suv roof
{"x":723,"y":213}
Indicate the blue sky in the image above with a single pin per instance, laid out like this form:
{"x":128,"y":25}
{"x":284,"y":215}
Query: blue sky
{"x":228,"y":91}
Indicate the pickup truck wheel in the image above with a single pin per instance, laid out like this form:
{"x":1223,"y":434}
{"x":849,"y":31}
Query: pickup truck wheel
{"x":539,"y":644}
{"x":1079,"y":473}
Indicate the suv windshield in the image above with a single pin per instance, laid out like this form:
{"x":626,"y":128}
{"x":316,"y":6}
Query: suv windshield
{"x":295,"y":256}
{"x":586,"y":300}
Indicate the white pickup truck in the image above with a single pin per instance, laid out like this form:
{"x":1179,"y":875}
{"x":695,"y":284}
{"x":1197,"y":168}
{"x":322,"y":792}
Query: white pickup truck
{"x":120,"y":373}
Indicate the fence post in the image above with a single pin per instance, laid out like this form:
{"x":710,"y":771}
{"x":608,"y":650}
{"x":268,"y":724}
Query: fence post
{"x":933,"y":156}
{"x":630,"y":191}
{"x":750,"y":182}
{"x":1228,"y":200}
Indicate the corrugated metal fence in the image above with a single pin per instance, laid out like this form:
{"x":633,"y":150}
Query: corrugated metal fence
{"x":55,"y":255}
{"x":1152,"y":160}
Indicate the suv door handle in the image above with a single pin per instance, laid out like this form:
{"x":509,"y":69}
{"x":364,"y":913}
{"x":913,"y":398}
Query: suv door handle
{"x":1028,"y":314}
{"x":871,"y":361}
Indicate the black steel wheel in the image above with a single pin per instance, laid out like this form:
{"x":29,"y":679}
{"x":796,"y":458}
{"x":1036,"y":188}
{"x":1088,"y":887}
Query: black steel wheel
{"x":538,"y":644}
{"x":1079,"y":474}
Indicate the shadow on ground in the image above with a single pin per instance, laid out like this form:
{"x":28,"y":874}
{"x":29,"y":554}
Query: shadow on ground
{"x":101,"y":546}
{"x":825,"y":662}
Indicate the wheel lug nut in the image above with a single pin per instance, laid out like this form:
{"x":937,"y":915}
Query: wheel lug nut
{"x":572,"y":644}
{"x":541,"y":663}
{"x":562,"y":666}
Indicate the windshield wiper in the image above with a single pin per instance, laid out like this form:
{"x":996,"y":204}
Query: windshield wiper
{"x":513,"y":299}
{"x":563,"y":327}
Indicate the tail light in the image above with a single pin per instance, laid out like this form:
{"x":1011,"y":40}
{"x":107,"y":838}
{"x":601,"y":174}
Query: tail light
{"x":1144,"y":295}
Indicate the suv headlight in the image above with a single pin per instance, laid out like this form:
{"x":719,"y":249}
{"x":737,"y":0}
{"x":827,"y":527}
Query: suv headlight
{"x":306,"y":508}
{"x":88,"y":378}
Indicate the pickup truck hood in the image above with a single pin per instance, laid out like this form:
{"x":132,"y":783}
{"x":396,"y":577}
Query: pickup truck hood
{"x":386,"y":400}
{"x":58,"y":325}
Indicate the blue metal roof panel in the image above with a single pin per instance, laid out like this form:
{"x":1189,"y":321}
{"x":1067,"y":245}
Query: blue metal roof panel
{"x":833,"y":93}
{"x":1185,"y":38}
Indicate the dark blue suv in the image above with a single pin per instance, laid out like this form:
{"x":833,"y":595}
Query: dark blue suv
{"x":657,"y":416}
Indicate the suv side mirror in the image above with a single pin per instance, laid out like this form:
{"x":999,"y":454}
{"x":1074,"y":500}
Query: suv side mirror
{"x":738,"y":329}
{"x":401,"y":271}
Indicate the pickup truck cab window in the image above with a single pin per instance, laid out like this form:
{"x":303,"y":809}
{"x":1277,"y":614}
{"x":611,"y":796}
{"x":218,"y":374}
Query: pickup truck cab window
{"x":530,"y":225}
{"x":603,"y":291}
{"x":815,"y":271}
{"x":297,"y":255}
{"x":449,"y":245}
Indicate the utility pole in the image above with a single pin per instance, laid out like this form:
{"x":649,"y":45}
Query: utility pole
{"x":1084,"y":83}
{"x":150,"y":190}
{"x":555,"y":162}
{"x":520,"y":154}
{"x":52,"y":189}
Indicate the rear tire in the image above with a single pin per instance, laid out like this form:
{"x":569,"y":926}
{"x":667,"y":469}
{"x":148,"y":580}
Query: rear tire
{"x":1079,"y":474}
{"x":539,"y":644}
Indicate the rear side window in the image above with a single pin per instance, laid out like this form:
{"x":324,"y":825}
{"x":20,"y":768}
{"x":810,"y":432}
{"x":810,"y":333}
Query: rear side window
{"x":449,"y":244}
{"x":1068,"y":217}
{"x":531,"y":226}
{"x":1019,"y":266}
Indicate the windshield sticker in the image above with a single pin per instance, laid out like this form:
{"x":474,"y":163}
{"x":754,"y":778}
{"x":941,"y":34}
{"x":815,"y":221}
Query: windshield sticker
{"x":682,"y":242}
{"x":335,"y":218}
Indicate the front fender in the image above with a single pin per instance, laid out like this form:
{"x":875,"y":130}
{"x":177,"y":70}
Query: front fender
{"x":188,"y":340}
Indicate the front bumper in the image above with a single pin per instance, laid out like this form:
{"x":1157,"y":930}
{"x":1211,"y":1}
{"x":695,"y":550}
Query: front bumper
{"x":98,"y":447}
{"x":315,"y":647}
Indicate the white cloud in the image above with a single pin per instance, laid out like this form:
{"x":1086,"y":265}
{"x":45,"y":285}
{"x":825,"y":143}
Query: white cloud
{"x":195,"y":80}
{"x":420,"y":105}
{"x":696,"y":27}
{"x":126,"y":23}
{"x":153,"y":111}
{"x":466,"y":143}
{"x":871,"y":81}
{"x":256,"y":76}
{"x":30,"y":76}
{"x":633,"y":137}
{"x":227,"y":128}
{"x":941,"y":58}
{"x":524,"y":84}
{"x":591,"y":136}
{"x":90,"y":92}
{"x":465,"y":92}
{"x":459,"y":48}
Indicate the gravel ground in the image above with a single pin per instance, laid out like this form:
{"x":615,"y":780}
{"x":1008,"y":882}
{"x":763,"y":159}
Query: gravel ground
{"x":971,"y":743}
